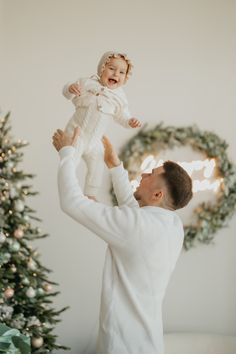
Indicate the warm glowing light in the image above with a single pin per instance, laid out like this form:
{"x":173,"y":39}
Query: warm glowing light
{"x":205,"y":184}
{"x":206,"y":167}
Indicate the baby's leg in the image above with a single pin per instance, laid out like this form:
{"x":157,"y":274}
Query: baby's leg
{"x":94,"y":160}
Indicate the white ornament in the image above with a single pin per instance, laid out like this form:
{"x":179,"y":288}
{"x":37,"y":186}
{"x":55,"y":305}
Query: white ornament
{"x":15,"y":246}
{"x":30,"y":292}
{"x":25,"y":281}
{"x":32,"y":265}
{"x":33,"y":321}
{"x":6,"y":312}
{"x":13,"y":193}
{"x":37,"y":342}
{"x":10,"y":241}
{"x":40,"y":292}
{"x":10,"y":164}
{"x":19,"y":205}
{"x":18,"y":185}
{"x":2,"y":237}
{"x":6,"y":257}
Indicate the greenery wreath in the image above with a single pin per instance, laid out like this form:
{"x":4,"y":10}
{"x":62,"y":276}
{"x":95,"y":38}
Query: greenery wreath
{"x":209,"y":217}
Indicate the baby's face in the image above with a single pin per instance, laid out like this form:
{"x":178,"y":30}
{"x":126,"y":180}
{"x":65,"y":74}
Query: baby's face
{"x":114,"y":74}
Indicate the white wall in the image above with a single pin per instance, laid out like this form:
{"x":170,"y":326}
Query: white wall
{"x":184,"y":54}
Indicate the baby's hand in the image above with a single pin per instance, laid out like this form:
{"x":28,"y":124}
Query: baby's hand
{"x":134,"y":123}
{"x":75,"y":89}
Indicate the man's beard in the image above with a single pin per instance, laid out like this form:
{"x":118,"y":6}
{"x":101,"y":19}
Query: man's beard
{"x":137,"y":196}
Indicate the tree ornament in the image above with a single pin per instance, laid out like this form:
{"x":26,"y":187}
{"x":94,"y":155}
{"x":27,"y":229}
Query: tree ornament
{"x":6,"y":312}
{"x":47,"y":287}
{"x":25,"y":281}
{"x":18,"y":185}
{"x":37,"y":342}
{"x":33,"y":321}
{"x":32,"y":265}
{"x":12,"y":192}
{"x":40,"y":292}
{"x":18,"y":233}
{"x":2,"y":237}
{"x":10,"y":164}
{"x":19,"y":205}
{"x":18,"y":321}
{"x":8,"y":293}
{"x":6,"y":257}
{"x":13,"y":268}
{"x":14,"y":247}
{"x":30,"y":292}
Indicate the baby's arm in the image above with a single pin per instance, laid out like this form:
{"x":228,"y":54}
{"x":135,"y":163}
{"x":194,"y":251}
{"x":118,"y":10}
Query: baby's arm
{"x":71,"y":89}
{"x":124,"y":118}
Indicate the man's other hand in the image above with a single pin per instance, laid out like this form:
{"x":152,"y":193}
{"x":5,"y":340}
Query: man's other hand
{"x":110,"y":156}
{"x":61,"y":139}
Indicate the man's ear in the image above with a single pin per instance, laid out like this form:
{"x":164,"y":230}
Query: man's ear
{"x":158,"y":195}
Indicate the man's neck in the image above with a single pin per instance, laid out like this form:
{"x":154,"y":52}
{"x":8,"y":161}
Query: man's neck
{"x":159,"y":205}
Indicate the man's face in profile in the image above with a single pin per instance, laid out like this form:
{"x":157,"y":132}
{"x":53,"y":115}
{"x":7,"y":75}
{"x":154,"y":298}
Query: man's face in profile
{"x":150,"y":182}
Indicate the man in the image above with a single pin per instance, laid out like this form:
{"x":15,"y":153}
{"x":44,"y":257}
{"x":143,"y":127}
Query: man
{"x":144,"y":237}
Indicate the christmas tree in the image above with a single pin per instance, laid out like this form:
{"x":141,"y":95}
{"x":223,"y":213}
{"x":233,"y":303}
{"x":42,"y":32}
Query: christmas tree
{"x":25,"y":290}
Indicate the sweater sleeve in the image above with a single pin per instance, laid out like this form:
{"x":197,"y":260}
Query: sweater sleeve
{"x":122,"y":187}
{"x":122,"y":117}
{"x":65,"y":89}
{"x":122,"y":114}
{"x":66,"y":92}
{"x":112,"y":224}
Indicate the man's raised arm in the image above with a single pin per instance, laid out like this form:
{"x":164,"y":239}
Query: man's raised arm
{"x":112,"y":224}
{"x":120,"y":180}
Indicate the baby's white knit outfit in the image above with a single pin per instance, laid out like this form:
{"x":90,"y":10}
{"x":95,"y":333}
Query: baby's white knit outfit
{"x":95,"y":106}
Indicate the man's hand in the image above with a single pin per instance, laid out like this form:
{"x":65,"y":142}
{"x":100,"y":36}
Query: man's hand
{"x":110,"y":156}
{"x":61,"y":139}
{"x":75,"y":89}
{"x":134,"y":123}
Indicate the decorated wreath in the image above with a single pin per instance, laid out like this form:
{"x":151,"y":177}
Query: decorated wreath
{"x":209,"y":217}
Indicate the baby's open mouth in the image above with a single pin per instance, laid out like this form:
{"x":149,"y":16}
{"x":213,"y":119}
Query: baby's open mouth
{"x":112,"y":81}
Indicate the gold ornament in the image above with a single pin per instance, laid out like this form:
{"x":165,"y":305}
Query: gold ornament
{"x":47,"y":287}
{"x":8,"y":293}
{"x":31,"y":264}
{"x":13,"y":268}
{"x":18,"y":233}
{"x":37,"y":342}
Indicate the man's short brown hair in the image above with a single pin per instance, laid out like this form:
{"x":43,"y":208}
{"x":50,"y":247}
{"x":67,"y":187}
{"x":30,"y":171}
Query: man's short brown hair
{"x":179,"y":184}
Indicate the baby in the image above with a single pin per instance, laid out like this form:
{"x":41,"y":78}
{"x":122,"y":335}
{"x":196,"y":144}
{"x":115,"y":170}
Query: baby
{"x":98,"y":99}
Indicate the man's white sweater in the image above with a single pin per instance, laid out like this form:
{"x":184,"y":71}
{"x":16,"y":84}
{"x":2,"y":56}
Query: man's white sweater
{"x":143,"y":247}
